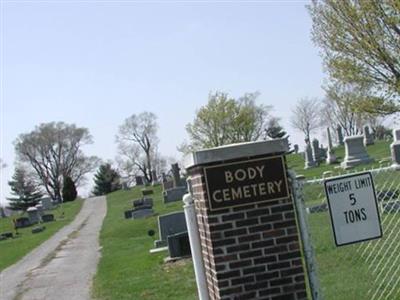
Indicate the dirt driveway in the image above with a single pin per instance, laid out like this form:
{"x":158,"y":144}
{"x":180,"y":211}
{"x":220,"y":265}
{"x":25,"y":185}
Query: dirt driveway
{"x":63,"y":266}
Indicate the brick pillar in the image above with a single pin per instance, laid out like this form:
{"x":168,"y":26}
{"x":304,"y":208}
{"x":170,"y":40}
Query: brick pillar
{"x":249,"y":238}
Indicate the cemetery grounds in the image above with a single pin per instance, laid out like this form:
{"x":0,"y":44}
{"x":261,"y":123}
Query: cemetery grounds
{"x":368,"y":270}
{"x":12,"y":250}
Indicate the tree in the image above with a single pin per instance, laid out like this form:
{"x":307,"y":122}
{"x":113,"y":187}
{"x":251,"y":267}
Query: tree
{"x":345,"y":106}
{"x":274,"y":130}
{"x":69,"y":192}
{"x":305,"y":116}
{"x":360,"y":43}
{"x":53,"y":150}
{"x":225,"y":120}
{"x":137,"y":141}
{"x":25,"y":190}
{"x":106,"y":180}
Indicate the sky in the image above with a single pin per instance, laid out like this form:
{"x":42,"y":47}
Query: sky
{"x":95,"y":63}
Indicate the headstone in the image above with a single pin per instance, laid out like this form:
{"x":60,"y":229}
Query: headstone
{"x":33,"y":215}
{"x":125,"y":185}
{"x":249,"y":249}
{"x":48,"y":218}
{"x":143,"y":203}
{"x":396,"y":135}
{"x":340,"y":135}
{"x":46,"y":203}
{"x":22,"y":222}
{"x":168,"y":185}
{"x":154,"y":177}
{"x":395,"y":153}
{"x":309,"y":159}
{"x":316,"y":153}
{"x":368,"y":138}
{"x":391,"y":207}
{"x":164,"y":177}
{"x":331,"y":157}
{"x":176,"y":177}
{"x":146,"y":192}
{"x":168,"y":225}
{"x":38,"y":229}
{"x":355,"y":152}
{"x":296,"y":148}
{"x":140,"y":213}
{"x":139,"y":180}
{"x":174,"y":194}
{"x":7,"y":235}
{"x":128,"y":214}
{"x":178,"y":245}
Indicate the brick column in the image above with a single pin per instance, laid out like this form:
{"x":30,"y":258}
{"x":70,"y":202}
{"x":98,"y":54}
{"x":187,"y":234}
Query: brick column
{"x":250,"y":245}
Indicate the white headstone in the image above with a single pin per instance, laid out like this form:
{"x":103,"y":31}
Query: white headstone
{"x":356,"y":154}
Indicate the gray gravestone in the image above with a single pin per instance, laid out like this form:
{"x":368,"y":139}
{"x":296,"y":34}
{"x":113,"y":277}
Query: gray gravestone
{"x":140,"y":213}
{"x":170,"y":224}
{"x":316,"y":153}
{"x":46,"y":203}
{"x":308,"y":157}
{"x":143,"y":203}
{"x":368,"y":138}
{"x":355,"y":152}
{"x":146,"y":192}
{"x":48,"y":218}
{"x":174,"y":194}
{"x":391,"y":207}
{"x":331,"y":157}
{"x":33,"y":215}
{"x":164,"y":177}
{"x":154,"y":177}
{"x":395,"y":152}
{"x":139,"y":180}
{"x":168,"y":185}
{"x":396,"y":135}
{"x":178,"y":245}
{"x":128,"y":214}
{"x":296,"y":148}
{"x":340,"y":135}
{"x":176,"y":177}
{"x":22,"y":222}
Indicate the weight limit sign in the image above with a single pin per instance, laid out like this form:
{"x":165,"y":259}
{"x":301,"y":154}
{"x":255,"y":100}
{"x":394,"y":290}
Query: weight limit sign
{"x":353,"y":208}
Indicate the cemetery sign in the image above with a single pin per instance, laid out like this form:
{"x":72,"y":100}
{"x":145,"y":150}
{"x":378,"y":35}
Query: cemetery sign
{"x":241,"y":183}
{"x":353,"y":208}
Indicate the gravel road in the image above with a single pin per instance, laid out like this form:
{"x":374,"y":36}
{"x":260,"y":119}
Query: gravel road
{"x":63,"y":266}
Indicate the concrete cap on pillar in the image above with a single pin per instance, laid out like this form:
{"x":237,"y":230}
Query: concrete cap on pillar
{"x":233,"y":151}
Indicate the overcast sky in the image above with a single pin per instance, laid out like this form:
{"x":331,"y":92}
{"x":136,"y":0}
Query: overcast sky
{"x":95,"y":63}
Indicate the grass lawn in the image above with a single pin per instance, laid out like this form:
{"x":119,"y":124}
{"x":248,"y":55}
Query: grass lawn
{"x":11,"y":250}
{"x":127,"y":270}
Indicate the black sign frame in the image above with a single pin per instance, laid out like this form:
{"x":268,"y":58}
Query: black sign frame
{"x":279,"y":172}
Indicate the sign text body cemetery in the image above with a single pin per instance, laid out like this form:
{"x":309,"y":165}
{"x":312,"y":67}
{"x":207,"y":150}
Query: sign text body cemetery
{"x":241,"y":183}
{"x":353,"y":208}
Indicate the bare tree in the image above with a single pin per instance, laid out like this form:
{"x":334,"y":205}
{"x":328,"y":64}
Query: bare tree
{"x":305,"y":116}
{"x":137,"y":142}
{"x":344,"y":106}
{"x":53,"y":150}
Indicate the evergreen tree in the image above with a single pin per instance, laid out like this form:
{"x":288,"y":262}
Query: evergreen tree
{"x":106,"y":180}
{"x":69,"y":192}
{"x":26,"y":192}
{"x":274,"y":130}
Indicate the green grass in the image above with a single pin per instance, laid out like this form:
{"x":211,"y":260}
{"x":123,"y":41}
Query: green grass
{"x":12,"y":250}
{"x":380,"y":150}
{"x":127,"y":270}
